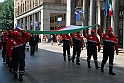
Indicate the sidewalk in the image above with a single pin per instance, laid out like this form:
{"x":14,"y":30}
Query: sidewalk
{"x":47,"y":66}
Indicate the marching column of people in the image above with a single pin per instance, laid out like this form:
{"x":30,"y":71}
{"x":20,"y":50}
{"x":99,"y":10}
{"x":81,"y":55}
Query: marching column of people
{"x":13,"y":48}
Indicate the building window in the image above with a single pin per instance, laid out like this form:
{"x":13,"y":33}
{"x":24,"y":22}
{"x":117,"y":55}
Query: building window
{"x":58,"y":1}
{"x":25,"y":5}
{"x":51,"y":28}
{"x":55,"y":18}
{"x":30,"y":4}
{"x":51,"y":19}
{"x":64,"y":17}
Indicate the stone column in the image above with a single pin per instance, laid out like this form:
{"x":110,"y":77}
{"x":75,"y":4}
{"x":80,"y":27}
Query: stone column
{"x":34,"y":21}
{"x":85,"y":14}
{"x":39,"y":18}
{"x":70,"y":13}
{"x":20,"y":22}
{"x":115,"y":17}
{"x":27,"y":22}
{"x":73,"y":6}
{"x":42,"y":22}
{"x":24,"y":22}
{"x":92,"y":13}
{"x":123,"y":33}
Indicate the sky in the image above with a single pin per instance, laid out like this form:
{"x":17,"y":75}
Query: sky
{"x":1,"y":0}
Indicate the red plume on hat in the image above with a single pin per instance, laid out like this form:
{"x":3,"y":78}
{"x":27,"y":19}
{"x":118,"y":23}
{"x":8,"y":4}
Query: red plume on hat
{"x":93,"y":31}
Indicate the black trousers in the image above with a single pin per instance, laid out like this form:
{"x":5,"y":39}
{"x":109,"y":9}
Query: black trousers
{"x":32,"y":50}
{"x":108,"y":52}
{"x":91,"y":51}
{"x":66,"y":48}
{"x":18,"y":63}
{"x":4,"y":51}
{"x":76,"y":51}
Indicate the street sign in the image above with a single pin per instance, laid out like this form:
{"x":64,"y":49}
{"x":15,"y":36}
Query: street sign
{"x":59,"y":22}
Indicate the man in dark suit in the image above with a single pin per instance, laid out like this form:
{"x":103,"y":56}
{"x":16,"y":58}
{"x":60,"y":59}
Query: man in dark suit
{"x":32,"y":44}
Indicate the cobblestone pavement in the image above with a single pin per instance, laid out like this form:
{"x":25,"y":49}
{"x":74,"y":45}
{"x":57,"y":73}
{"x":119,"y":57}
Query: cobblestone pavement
{"x":47,"y":66}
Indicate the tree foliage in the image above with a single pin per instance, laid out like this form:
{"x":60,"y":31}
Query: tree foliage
{"x":7,"y":15}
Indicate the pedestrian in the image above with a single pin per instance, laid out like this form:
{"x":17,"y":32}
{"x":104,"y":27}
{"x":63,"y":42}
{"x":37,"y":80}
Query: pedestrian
{"x":92,"y":43}
{"x":16,"y":54}
{"x":37,"y":41}
{"x":4,"y":39}
{"x":67,"y":43}
{"x":109,"y":46}
{"x":77,"y":45}
{"x":32,"y":44}
{"x":51,"y":39}
{"x":85,"y":42}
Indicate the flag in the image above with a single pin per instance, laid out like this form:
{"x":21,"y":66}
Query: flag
{"x":36,"y":24}
{"x":63,"y":30}
{"x":108,"y":8}
{"x":78,"y":13}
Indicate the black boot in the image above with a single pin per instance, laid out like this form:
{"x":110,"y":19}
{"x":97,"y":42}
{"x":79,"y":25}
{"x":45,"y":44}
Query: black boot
{"x":4,"y":60}
{"x":15,"y":75}
{"x":69,"y":58}
{"x":110,"y":70}
{"x":102,"y":68}
{"x":64,"y":58}
{"x":88,"y":62}
{"x":20,"y":77}
{"x":72,"y":58}
{"x":96,"y":64}
{"x":78,"y":62}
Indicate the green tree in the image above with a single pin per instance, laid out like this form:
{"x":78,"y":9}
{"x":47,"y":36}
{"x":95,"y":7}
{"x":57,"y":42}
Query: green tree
{"x":7,"y":15}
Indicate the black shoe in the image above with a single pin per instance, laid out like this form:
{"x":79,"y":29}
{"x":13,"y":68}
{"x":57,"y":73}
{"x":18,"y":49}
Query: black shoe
{"x":72,"y":60}
{"x":20,"y":78}
{"x":111,"y":73}
{"x":97,"y":67}
{"x":69,"y":58}
{"x":64,"y":58}
{"x":4,"y":60}
{"x":15,"y":76}
{"x":102,"y":68}
{"x":89,"y":67}
{"x":10,"y":70}
{"x":77,"y":63}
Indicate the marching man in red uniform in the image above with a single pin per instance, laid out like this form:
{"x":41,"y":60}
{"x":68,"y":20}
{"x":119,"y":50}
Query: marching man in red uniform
{"x":109,"y":46}
{"x":77,"y":45}
{"x":92,"y":42}
{"x":4,"y":39}
{"x":67,"y":42}
{"x":16,"y":54}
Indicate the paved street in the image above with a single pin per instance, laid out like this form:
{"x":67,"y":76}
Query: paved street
{"x":47,"y":66}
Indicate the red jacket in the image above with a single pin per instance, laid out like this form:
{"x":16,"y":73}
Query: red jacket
{"x":109,"y":40}
{"x":77,"y":40}
{"x":66,"y":40}
{"x":92,"y":40}
{"x":26,"y":35}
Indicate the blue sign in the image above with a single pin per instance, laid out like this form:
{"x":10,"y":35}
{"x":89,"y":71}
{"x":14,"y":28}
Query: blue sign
{"x":59,"y":22}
